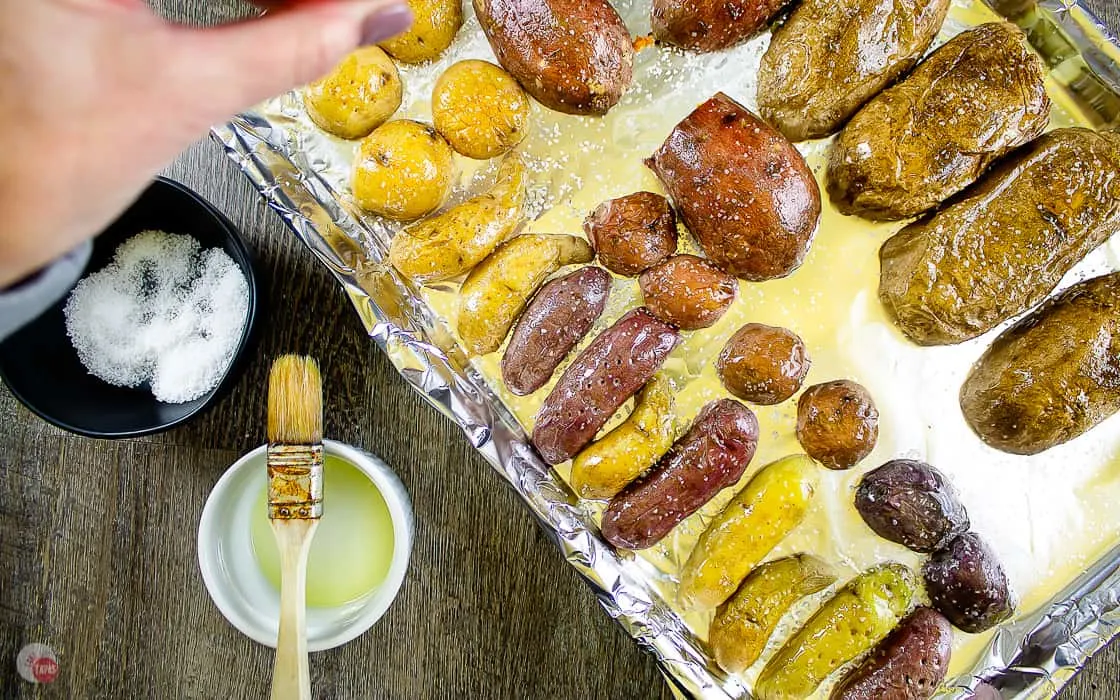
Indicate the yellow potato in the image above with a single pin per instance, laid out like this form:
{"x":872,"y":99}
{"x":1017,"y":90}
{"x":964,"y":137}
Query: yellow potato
{"x":607,"y":465}
{"x":453,"y":242}
{"x":750,"y":525}
{"x":480,"y":109}
{"x":435,"y":24}
{"x":404,"y":170}
{"x":496,"y":292}
{"x":358,"y":96}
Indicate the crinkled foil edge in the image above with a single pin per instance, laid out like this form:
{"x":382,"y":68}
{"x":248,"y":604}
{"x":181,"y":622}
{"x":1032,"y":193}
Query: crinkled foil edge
{"x":1032,"y":658}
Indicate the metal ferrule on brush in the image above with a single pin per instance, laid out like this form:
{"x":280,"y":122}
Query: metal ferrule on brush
{"x":295,"y":482}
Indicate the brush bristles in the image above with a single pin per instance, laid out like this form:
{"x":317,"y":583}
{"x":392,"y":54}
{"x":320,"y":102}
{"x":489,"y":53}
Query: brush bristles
{"x":295,"y":402}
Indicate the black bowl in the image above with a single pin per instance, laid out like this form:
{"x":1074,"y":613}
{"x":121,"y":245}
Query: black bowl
{"x":43,"y":371}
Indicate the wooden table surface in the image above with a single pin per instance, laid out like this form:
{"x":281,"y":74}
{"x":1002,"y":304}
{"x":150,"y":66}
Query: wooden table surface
{"x":97,"y":538}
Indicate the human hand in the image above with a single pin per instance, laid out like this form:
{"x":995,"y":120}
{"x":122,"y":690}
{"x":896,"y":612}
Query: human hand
{"x":97,"y":96}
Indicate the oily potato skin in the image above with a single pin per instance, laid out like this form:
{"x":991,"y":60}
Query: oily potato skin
{"x":760,"y":516}
{"x":434,"y":26}
{"x":911,"y":503}
{"x":742,"y":189}
{"x":967,"y":584}
{"x":1004,"y":244}
{"x":849,"y":624}
{"x":572,"y":56}
{"x":763,"y":364}
{"x":831,"y":56}
{"x":688,"y":292}
{"x":1051,"y":377}
{"x":711,"y":456}
{"x":633,"y":233}
{"x":837,"y":423}
{"x":557,"y":318}
{"x":617,"y":363}
{"x":497,"y":290}
{"x":710,"y":25}
{"x":358,"y":96}
{"x":480,"y":109}
{"x":908,"y":665}
{"x":453,"y":242}
{"x":606,"y":466}
{"x":404,"y":170}
{"x":913,"y":146}
{"x":745,"y":622}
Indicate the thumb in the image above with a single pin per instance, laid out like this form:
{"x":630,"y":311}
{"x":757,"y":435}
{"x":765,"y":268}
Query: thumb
{"x":239,"y":65}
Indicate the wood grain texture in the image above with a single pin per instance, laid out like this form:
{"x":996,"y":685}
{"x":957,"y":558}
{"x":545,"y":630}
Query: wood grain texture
{"x":97,"y":539}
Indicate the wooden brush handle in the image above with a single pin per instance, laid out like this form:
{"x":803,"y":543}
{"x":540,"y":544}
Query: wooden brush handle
{"x":291,"y":679}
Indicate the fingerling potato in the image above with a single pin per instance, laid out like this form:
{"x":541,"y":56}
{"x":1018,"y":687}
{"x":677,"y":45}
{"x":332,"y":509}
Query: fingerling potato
{"x":557,"y":318}
{"x":480,"y":109}
{"x":688,"y":292}
{"x":434,"y":26}
{"x":908,"y":665}
{"x":752,"y":523}
{"x":617,"y":363}
{"x":404,"y":170}
{"x":746,"y":621}
{"x":358,"y":96}
{"x":572,"y":56}
{"x":848,"y":625}
{"x":607,"y":465}
{"x":453,"y":242}
{"x":742,"y":189}
{"x":710,"y":25}
{"x":711,"y":456}
{"x":497,"y":290}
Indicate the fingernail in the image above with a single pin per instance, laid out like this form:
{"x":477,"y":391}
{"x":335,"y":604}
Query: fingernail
{"x":386,"y":23}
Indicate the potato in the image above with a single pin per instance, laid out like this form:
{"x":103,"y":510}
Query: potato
{"x":710,"y":25}
{"x":763,"y":364}
{"x":404,"y":170}
{"x":848,"y":625}
{"x":966,"y":584}
{"x":496,"y":292}
{"x":752,"y":523}
{"x":556,"y":319}
{"x":358,"y":96}
{"x":572,"y":56}
{"x":632,"y":233}
{"x":480,"y":109}
{"x":434,"y":26}
{"x":916,"y":144}
{"x":1052,"y":376}
{"x":607,"y":465}
{"x":1002,"y":246}
{"x":911,"y":503}
{"x":908,"y":665}
{"x":837,"y":423}
{"x":744,"y":624}
{"x":609,"y":371}
{"x":831,"y":56}
{"x":688,"y":292}
{"x":711,"y":456}
{"x":744,"y":192}
{"x":447,"y":245}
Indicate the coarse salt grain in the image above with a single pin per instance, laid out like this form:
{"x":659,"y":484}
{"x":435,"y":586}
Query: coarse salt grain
{"x":164,"y":312}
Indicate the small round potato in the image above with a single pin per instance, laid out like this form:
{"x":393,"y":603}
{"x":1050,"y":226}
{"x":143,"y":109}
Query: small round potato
{"x":837,"y":423}
{"x":404,"y":170}
{"x":763,"y":364}
{"x":434,"y":26}
{"x":358,"y":96}
{"x":480,"y":109}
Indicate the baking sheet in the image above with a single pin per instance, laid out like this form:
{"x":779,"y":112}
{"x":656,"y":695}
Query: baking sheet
{"x":578,"y":162}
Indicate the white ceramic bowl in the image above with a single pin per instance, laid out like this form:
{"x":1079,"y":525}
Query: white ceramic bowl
{"x":238,"y":587}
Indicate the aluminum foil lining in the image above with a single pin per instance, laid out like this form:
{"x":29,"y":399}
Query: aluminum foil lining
{"x":1031,"y":658}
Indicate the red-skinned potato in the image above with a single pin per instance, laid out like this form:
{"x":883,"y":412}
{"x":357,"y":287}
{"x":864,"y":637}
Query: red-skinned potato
{"x":710,"y":25}
{"x":688,"y":292}
{"x":908,"y":665}
{"x":609,"y":371}
{"x":742,"y":189}
{"x":573,"y":56}
{"x":633,"y":233}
